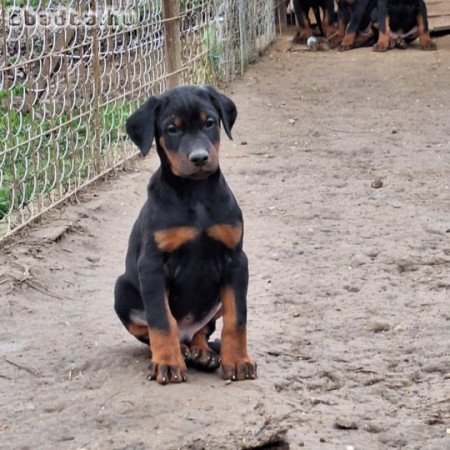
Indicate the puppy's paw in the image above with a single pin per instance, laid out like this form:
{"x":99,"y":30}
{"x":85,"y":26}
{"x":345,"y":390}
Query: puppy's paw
{"x":168,"y":369}
{"x":165,"y":374}
{"x":300,"y":37}
{"x":345,"y":47}
{"x":204,"y":358}
{"x":400,"y":43}
{"x":240,"y":369}
{"x":380,"y":47}
{"x":334,"y":40}
{"x":185,"y":352}
{"x":428,"y":45}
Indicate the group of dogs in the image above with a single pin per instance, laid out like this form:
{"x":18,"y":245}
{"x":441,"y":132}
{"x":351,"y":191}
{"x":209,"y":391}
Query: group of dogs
{"x":347,"y":24}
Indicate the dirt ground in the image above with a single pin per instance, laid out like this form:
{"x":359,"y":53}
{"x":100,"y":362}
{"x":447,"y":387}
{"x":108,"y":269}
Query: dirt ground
{"x":349,"y":316}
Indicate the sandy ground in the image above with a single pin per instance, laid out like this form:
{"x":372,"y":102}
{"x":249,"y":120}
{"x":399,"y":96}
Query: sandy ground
{"x":349,"y":312}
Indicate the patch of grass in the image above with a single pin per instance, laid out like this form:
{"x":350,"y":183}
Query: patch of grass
{"x":52,"y":155}
{"x":210,"y":67}
{"x":21,"y":3}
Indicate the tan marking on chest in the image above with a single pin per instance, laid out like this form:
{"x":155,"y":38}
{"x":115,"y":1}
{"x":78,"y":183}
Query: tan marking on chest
{"x":172,"y":238}
{"x":229,"y":235}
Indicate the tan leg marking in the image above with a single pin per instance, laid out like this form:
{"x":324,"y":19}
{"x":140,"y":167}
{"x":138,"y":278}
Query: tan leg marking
{"x":236,"y":363}
{"x":425,"y":41}
{"x":167,"y":362}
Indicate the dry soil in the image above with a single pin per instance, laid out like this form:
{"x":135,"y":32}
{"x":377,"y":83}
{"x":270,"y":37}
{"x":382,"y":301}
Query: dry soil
{"x":341,"y":164}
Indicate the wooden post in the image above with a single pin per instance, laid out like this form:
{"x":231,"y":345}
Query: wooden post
{"x":282,"y":23}
{"x":242,"y":35}
{"x":172,"y":42}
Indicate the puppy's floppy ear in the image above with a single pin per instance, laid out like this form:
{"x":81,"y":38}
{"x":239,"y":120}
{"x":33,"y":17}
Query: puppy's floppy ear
{"x":225,"y":107}
{"x":141,"y":125}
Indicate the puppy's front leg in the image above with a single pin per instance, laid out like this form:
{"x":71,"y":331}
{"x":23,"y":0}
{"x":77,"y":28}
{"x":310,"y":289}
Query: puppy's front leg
{"x":353,"y":26}
{"x":384,"y":39}
{"x":167,"y":363}
{"x":425,"y":41}
{"x":236,"y":362}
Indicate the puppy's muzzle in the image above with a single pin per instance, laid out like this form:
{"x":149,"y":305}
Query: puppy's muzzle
{"x":199,"y":157}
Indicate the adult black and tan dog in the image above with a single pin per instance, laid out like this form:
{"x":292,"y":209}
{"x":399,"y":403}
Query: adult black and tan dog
{"x":185,"y":265}
{"x":302,"y":9}
{"x":401,"y":22}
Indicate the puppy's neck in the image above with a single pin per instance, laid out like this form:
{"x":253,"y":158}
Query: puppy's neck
{"x":186,"y":186}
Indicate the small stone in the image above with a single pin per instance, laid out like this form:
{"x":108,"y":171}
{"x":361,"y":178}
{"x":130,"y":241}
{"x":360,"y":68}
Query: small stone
{"x":93,"y":259}
{"x":291,"y":121}
{"x":377,"y":184}
{"x":394,"y":131}
{"x":373,"y":427}
{"x":353,"y":289}
{"x":434,"y":419}
{"x":441,"y":366}
{"x":345,"y":423}
{"x":377,"y":327}
{"x":244,"y":142}
{"x":392,"y":439}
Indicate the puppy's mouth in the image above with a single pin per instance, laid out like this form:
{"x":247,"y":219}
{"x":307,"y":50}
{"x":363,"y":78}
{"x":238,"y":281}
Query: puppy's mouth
{"x":202,"y":173}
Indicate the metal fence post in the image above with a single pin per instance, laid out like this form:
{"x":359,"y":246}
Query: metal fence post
{"x":241,"y":18}
{"x":97,"y":75}
{"x":172,"y":42}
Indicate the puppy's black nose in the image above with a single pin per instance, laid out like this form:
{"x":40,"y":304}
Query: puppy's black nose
{"x":199,"y":157}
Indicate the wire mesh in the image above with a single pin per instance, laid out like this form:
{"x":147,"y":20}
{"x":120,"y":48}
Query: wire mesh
{"x":72,"y":71}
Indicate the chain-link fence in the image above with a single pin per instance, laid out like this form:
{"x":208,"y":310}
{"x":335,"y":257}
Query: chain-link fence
{"x":72,"y":71}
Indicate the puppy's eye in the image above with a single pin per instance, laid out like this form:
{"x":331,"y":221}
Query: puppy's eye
{"x":172,"y":129}
{"x":210,"y":122}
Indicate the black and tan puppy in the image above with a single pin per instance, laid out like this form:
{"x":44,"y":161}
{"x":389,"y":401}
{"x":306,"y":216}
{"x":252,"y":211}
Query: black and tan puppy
{"x":355,"y":24}
{"x":185,"y":266}
{"x":302,"y":9}
{"x":401,"y":22}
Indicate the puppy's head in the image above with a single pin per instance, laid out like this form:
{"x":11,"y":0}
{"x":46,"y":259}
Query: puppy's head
{"x":185,"y":123}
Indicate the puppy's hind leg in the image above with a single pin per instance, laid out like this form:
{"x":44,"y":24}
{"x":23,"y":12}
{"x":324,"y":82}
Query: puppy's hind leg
{"x":128,"y":306}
